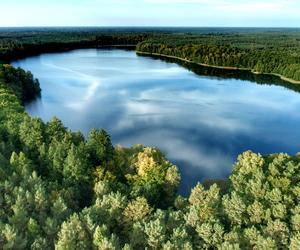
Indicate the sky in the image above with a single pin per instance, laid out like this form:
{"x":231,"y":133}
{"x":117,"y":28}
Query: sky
{"x":199,"y":13}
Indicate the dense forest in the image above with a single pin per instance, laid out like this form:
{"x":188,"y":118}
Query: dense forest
{"x":274,"y":50}
{"x":59,"y":190}
{"x":269,"y":52}
{"x":18,"y":43}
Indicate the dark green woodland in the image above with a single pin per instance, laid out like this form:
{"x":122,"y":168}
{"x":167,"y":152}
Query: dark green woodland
{"x":272,"y":50}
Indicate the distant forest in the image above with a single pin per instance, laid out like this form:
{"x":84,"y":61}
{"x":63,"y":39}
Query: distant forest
{"x":274,"y":51}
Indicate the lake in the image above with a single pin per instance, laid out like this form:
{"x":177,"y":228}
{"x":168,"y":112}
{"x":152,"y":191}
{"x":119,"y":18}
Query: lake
{"x":200,"y":121}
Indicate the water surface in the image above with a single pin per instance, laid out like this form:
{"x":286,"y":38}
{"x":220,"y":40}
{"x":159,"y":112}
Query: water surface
{"x":200,"y":122}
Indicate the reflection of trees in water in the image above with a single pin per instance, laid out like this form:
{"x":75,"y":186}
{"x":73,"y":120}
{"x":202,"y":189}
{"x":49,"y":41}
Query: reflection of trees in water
{"x":247,"y":75}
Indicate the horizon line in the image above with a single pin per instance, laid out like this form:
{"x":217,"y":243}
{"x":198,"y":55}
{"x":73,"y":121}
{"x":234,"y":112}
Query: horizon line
{"x":149,"y":26}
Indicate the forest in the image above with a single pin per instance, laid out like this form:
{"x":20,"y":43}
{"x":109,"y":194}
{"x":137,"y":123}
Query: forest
{"x":269,"y":52}
{"x":60,"y":190}
{"x":260,"y":50}
{"x":17,"y":43}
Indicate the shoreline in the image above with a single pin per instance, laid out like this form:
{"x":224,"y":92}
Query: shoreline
{"x":36,"y":51}
{"x":218,"y":67}
{"x":29,"y":53}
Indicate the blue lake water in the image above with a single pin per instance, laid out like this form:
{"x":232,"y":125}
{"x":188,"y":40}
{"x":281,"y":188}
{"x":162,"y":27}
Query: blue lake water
{"x":200,"y":122}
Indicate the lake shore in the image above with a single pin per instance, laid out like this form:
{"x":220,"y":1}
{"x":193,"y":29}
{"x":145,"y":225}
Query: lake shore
{"x":38,"y":50}
{"x":217,"y":67}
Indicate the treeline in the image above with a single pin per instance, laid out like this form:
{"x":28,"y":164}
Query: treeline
{"x":18,"y":44}
{"x":20,"y":82}
{"x":59,"y":190}
{"x":275,"y":60}
{"x":260,"y":50}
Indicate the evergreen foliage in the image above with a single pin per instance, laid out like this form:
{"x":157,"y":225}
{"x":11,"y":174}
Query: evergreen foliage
{"x":59,"y":190}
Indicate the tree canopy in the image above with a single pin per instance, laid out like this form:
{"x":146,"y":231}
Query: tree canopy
{"x":59,"y":190}
{"x":264,"y":50}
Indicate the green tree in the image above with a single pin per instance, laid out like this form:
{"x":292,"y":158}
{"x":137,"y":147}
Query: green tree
{"x":74,"y":235}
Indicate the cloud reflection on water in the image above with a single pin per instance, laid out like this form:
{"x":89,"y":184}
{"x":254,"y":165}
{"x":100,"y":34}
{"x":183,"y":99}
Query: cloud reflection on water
{"x":201,"y":123}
